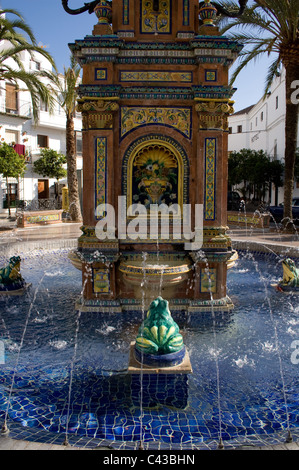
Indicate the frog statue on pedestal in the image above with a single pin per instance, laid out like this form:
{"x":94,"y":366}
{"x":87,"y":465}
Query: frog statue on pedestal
{"x":290,"y":280}
{"x":10,"y":277}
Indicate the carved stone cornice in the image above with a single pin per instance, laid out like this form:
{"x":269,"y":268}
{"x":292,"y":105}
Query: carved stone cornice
{"x":97,"y":113}
{"x":213,"y":114}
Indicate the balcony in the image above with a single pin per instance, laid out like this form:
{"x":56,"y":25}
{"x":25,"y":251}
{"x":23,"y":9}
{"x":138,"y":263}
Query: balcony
{"x":54,"y":121}
{"x":57,"y":120}
{"x":21,"y":112}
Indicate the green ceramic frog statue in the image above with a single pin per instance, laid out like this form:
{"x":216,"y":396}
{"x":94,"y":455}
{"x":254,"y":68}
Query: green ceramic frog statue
{"x":159,"y":333}
{"x":11,"y":273}
{"x":290,"y":273}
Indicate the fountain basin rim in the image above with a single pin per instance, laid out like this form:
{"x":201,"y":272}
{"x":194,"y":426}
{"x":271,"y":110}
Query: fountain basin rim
{"x":154,"y":270}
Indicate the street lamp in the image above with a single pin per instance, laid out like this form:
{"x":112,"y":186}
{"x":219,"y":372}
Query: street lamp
{"x":220,"y":10}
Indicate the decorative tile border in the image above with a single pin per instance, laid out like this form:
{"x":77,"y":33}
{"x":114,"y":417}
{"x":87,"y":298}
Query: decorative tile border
{"x":36,"y":219}
{"x":160,"y":22}
{"x":208,"y":282}
{"x":100,"y":172}
{"x":155,"y":76}
{"x":186,"y":13}
{"x":101,"y":281}
{"x":211,"y":75}
{"x":126,"y":11}
{"x":210,"y":179}
{"x":100,"y":74}
{"x":168,"y":142}
{"x":132,"y":117}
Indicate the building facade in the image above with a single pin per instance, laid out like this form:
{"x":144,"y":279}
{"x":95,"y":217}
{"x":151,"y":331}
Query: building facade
{"x":262,"y":127}
{"x":18,"y":129}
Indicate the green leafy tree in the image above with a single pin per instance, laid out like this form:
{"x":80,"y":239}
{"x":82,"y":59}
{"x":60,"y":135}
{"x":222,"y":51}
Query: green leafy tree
{"x":271,"y":27}
{"x":12,"y":165}
{"x":67,"y":97}
{"x":255,"y":171}
{"x":50,"y":164}
{"x":17,"y":37}
{"x":276,"y":176}
{"x":234,"y":169}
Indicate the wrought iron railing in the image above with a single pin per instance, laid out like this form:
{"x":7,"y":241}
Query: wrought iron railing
{"x":38,"y":205}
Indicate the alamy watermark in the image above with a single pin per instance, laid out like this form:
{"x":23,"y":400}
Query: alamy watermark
{"x":295,"y":353}
{"x":295,"y":94}
{"x":2,"y":352}
{"x":155,"y":222}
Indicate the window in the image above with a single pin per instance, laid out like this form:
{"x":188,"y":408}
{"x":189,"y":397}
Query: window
{"x":11,"y":98}
{"x":35,"y":65}
{"x":11,"y":137}
{"x":262,"y":116}
{"x":239,"y":129}
{"x":43,"y":106}
{"x":42,"y":141}
{"x":78,"y":143}
{"x":275,"y":150}
{"x":276,"y":102}
{"x":230,"y":130}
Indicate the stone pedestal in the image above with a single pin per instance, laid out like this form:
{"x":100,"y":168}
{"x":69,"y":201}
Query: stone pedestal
{"x":159,"y":386}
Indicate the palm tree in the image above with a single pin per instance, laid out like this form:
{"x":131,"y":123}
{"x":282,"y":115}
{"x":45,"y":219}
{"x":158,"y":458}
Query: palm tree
{"x":273,"y":29}
{"x":67,"y":97}
{"x":13,"y":43}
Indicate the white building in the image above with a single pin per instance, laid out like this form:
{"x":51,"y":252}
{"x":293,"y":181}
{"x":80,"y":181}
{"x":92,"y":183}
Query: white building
{"x":17,"y":127}
{"x":262,"y":127}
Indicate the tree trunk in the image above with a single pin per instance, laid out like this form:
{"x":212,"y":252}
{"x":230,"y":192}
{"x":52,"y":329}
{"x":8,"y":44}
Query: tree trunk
{"x":72,"y":179}
{"x":291,"y":126}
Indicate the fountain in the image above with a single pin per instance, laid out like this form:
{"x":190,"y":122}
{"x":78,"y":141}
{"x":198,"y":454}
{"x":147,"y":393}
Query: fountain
{"x":67,"y":374}
{"x":208,"y":366}
{"x":154,"y":100}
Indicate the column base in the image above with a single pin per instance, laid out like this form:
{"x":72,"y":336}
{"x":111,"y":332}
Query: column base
{"x":135,"y":305}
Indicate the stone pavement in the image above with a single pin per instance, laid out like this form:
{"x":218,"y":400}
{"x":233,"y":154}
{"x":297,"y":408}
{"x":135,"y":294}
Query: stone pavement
{"x":265,"y":240}
{"x":7,"y":443}
{"x":66,"y":234}
{"x":269,"y":239}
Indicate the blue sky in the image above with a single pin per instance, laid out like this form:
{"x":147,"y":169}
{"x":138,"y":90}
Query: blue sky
{"x":54,"y":28}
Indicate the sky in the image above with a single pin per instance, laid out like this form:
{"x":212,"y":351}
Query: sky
{"x":55,"y":29}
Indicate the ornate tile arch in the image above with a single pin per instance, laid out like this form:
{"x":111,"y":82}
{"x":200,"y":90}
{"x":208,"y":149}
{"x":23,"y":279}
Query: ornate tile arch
{"x":169,"y":144}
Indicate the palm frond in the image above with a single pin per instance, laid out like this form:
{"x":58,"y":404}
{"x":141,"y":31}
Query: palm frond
{"x":67,"y":96}
{"x":9,"y":27}
{"x":266,"y":27}
{"x":271,"y":74}
{"x":17,"y":37}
